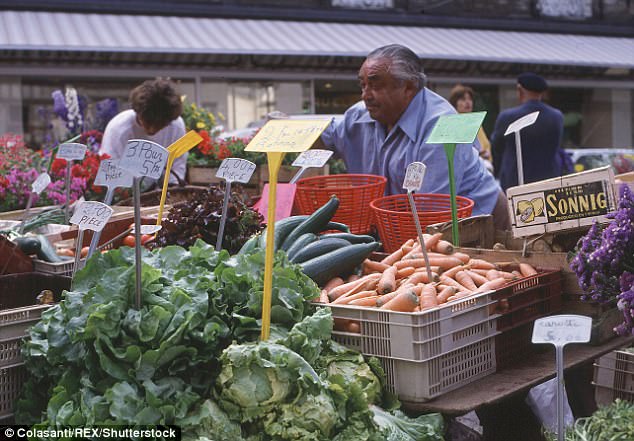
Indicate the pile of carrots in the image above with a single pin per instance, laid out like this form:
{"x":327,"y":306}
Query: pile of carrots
{"x":400,"y":281}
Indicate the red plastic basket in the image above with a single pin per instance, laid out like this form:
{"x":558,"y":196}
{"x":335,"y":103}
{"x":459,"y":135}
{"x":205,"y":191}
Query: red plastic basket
{"x":355,"y":192}
{"x":394,"y":218}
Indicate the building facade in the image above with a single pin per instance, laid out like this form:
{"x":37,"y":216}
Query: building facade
{"x":243,"y":59}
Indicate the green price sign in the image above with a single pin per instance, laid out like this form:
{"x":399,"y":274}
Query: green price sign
{"x":461,"y":128}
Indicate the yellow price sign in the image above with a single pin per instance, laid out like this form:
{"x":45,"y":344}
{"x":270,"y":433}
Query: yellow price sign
{"x":178,"y":148}
{"x":277,"y":138}
{"x":287,"y":135}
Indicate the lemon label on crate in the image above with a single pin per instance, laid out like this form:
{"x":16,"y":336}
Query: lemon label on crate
{"x":560,"y":330}
{"x":460,"y":128}
{"x":312,"y":158}
{"x":284,"y":135}
{"x":91,"y":215}
{"x":71,"y":151}
{"x":112,"y":176}
{"x":144,"y":158}
{"x":40,"y":183}
{"x":236,"y":170}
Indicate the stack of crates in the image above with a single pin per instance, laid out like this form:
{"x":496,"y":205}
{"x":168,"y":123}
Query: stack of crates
{"x":614,"y":377}
{"x":425,"y":354}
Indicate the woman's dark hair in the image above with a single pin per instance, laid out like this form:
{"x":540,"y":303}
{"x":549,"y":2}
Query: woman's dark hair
{"x":156,"y":102}
{"x":459,"y":91}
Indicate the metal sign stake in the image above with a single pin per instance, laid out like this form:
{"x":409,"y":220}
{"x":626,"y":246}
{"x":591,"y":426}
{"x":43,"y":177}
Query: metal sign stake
{"x":136,"y":183}
{"x":413,"y":181}
{"x":223,"y":218}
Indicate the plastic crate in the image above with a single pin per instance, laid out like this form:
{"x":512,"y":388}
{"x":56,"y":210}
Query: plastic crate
{"x":394,"y":220}
{"x":520,"y":304}
{"x":614,"y":377}
{"x":355,"y":192}
{"x":417,"y":336}
{"x":18,"y":312}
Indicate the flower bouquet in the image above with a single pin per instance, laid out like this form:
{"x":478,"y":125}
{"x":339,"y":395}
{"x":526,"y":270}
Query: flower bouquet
{"x":604,"y":261}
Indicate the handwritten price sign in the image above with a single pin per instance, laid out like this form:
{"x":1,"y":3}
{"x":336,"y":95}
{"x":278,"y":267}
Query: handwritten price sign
{"x":71,"y":151}
{"x":562,"y":329}
{"x":91,"y":215}
{"x":144,"y":158}
{"x":111,"y":175}
{"x":283,"y":135}
{"x":414,"y":176}
{"x":236,"y":170}
{"x":41,"y":183}
{"x":312,"y":158}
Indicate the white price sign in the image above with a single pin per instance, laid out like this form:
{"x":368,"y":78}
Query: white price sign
{"x":111,"y":175}
{"x":71,"y":151}
{"x":236,"y":170}
{"x":312,"y":158}
{"x":91,"y":215}
{"x":40,"y":183}
{"x":522,"y":122}
{"x":147,"y":229}
{"x":144,"y":158}
{"x":562,"y":329}
{"x":414,"y":176}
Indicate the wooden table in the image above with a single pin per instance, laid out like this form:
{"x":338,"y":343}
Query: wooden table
{"x":511,"y":381}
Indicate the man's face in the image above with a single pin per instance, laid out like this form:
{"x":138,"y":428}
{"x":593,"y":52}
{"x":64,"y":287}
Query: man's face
{"x":385,"y":97}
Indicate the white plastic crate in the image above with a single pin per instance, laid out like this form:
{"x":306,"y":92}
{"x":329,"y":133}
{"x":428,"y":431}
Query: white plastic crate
{"x":614,"y":377}
{"x":58,"y":268}
{"x":421,"y":335}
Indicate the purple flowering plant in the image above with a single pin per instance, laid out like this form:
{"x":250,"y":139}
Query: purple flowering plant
{"x":604,"y":262}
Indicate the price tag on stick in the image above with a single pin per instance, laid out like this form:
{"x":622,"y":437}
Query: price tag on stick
{"x":515,"y":127}
{"x":459,"y":128}
{"x":40,"y":183}
{"x":413,"y":181}
{"x":231,"y":169}
{"x":276,"y":138}
{"x":178,"y":148}
{"x":313,"y":158}
{"x":111,"y":176}
{"x":141,"y":158}
{"x":88,"y":215}
{"x":70,"y":151}
{"x":559,"y":330}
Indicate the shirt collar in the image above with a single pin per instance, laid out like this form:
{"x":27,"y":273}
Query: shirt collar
{"x":412,"y":115}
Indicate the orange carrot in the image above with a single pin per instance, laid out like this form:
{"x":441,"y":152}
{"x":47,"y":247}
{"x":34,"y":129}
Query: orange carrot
{"x":323,"y":296}
{"x":451,"y":282}
{"x":389,"y":296}
{"x":452,"y":271}
{"x":492,"y":285}
{"x":446,"y":262}
{"x":428,"y":297}
{"x":353,"y":277}
{"x":416,"y":250}
{"x":409,"y":243}
{"x":445,"y":294}
{"x":405,"y":301}
{"x":414,"y":263}
{"x":366,"y":301}
{"x":432,"y":241}
{"x":353,"y":327}
{"x":387,"y":282}
{"x":482,"y":272}
{"x":465,"y":258}
{"x":422,"y":277}
{"x":332,"y":283}
{"x":344,"y":299}
{"x":394,"y":257}
{"x":370,"y":266}
{"x":481,"y":264}
{"x":477,"y":278}
{"x":527,"y":269}
{"x":405,"y":272}
{"x":465,"y":280}
{"x":493,"y":274}
{"x":444,"y":247}
{"x":366,"y":282}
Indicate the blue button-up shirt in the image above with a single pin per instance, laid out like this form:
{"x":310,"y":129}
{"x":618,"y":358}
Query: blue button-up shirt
{"x":365,"y":147}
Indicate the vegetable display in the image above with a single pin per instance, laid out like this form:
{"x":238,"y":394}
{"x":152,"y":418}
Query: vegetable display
{"x":189,"y":356}
{"x":400,"y":281}
{"x":199,"y":218}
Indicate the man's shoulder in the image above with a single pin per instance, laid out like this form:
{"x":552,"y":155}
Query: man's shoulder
{"x":356,"y":112}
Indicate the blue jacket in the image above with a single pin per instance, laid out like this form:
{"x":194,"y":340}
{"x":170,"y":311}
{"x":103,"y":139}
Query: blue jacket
{"x":541,"y":154}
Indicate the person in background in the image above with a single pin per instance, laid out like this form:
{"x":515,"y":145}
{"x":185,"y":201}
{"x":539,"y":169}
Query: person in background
{"x":461,"y":97}
{"x":542,"y":156}
{"x":154,"y":116}
{"x":387,"y":130}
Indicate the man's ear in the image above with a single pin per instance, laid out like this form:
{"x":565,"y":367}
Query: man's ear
{"x":410,"y":89}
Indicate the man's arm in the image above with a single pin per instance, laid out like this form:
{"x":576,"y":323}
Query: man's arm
{"x":497,"y":145}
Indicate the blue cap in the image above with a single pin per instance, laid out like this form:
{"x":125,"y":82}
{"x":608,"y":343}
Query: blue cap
{"x":532,"y":82}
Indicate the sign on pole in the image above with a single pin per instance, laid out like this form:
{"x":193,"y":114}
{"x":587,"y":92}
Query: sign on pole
{"x":515,"y":127}
{"x":70,"y":151}
{"x":89,"y":215}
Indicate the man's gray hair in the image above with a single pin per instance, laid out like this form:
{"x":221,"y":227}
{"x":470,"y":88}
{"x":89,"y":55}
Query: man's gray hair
{"x":404,"y":63}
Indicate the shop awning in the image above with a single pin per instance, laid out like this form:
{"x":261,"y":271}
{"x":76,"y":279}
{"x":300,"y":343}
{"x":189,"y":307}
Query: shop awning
{"x":26,"y":31}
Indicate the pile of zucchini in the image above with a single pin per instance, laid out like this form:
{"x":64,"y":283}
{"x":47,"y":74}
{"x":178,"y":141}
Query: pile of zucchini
{"x":321,"y":256}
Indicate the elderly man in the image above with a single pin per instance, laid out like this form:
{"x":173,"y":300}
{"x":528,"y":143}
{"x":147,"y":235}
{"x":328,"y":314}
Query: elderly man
{"x":387,"y":130}
{"x":542,"y":157}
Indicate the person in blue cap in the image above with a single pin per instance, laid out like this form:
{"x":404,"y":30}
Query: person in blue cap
{"x":542,"y":157}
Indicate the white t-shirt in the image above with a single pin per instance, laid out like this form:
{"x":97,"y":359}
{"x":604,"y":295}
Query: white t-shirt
{"x":124,"y":127}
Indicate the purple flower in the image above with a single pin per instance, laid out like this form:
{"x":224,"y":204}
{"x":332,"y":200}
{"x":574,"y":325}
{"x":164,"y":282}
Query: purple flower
{"x":59,"y":105}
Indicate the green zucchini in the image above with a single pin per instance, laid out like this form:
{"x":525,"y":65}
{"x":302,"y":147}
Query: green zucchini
{"x":318,"y":248}
{"x":250,"y":245}
{"x":337,"y":226}
{"x":300,"y":244}
{"x":315,"y":223}
{"x":352,"y":238}
{"x":28,"y":245}
{"x":340,"y":262}
{"x":283,"y":227}
{"x":47,"y":252}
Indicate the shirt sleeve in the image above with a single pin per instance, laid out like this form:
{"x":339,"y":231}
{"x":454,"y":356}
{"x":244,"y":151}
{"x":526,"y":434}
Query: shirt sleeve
{"x":333,"y":135}
{"x":114,"y":140}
